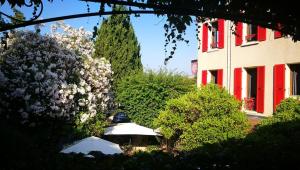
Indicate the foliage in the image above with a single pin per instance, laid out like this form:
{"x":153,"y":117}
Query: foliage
{"x":204,"y":116}
{"x":282,"y":126}
{"x":152,"y":148}
{"x":144,"y":94}
{"x":179,"y":13}
{"x":276,"y":139}
{"x":288,"y":105}
{"x":287,"y":110}
{"x":275,"y":146}
{"x":92,"y":127}
{"x":52,"y":76}
{"x":116,"y":41}
{"x":19,"y":16}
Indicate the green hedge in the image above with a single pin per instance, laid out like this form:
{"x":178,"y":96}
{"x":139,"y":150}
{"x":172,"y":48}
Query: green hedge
{"x":208,"y":115}
{"x":143,"y":95}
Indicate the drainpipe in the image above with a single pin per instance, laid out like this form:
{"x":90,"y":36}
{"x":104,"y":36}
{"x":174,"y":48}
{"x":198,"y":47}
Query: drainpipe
{"x":228,"y":53}
{"x":230,"y":34}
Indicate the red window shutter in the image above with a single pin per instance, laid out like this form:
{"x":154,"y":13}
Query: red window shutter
{"x":279,"y":87}
{"x":260,"y":96}
{"x":261,"y":33}
{"x":277,"y":34}
{"x":220,"y":77}
{"x":204,"y":38}
{"x":238,"y":83}
{"x":221,"y":33}
{"x":239,"y":34}
{"x":204,"y":77}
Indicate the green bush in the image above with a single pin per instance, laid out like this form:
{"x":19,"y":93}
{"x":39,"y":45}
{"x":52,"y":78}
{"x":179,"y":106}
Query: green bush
{"x":208,"y":115}
{"x":287,"y":110}
{"x":152,"y":148}
{"x":144,"y":94}
{"x":275,"y":144}
{"x":91,"y":127}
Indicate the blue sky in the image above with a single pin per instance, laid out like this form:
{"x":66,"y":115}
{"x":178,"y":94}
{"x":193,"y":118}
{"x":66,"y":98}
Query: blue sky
{"x":148,"y":28}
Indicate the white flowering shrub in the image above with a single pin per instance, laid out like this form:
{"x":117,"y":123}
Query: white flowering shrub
{"x":53,"y":76}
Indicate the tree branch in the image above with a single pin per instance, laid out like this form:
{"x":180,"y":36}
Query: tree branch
{"x":9,"y":27}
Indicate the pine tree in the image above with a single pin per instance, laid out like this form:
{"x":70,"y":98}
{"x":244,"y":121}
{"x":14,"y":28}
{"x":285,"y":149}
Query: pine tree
{"x":116,"y":41}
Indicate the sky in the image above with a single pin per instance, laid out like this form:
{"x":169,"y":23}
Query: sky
{"x":148,"y":29}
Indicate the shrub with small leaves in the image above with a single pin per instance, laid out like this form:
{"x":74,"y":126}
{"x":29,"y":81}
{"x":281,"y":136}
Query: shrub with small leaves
{"x":144,"y":94}
{"x":204,"y":116}
{"x":287,"y":110}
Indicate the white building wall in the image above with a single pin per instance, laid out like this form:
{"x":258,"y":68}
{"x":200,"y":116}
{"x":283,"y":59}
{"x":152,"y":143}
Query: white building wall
{"x":266,"y":53}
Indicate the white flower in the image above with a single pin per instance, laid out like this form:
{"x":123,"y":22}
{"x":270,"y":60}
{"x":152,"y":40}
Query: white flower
{"x":39,"y":76}
{"x":84,"y":117}
{"x":81,"y":72}
{"x":71,"y":97}
{"x":81,"y":90}
{"x":47,"y":73}
{"x":88,"y":88}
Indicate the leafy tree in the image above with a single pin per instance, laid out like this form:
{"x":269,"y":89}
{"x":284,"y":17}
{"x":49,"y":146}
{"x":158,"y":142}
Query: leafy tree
{"x":205,"y":116}
{"x":18,"y":16}
{"x":144,"y":94}
{"x":264,"y":13}
{"x":279,"y":16}
{"x":116,"y":41}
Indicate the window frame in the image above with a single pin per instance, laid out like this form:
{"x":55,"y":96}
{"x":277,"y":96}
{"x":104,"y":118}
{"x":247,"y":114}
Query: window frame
{"x":251,"y":33}
{"x":214,"y":35}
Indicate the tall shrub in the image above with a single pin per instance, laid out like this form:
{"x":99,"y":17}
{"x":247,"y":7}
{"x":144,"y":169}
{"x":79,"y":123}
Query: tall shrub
{"x":207,"y":115}
{"x":53,"y":76}
{"x":144,"y":94}
{"x":117,"y":42}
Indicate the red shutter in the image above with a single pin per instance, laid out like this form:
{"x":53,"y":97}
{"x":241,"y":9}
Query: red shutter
{"x":204,"y":77}
{"x":277,"y":34}
{"x":238,"y":83}
{"x":261,"y":33}
{"x":239,"y":34}
{"x":279,"y":87}
{"x":260,"y":97}
{"x":221,"y":33}
{"x":220,"y":77}
{"x":204,"y":38}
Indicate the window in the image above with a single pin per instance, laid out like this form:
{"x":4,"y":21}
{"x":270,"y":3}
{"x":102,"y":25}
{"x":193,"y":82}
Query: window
{"x":295,"y":79}
{"x":214,"y":77}
{"x":251,"y":33}
{"x":250,"y":100}
{"x":214,"y":35}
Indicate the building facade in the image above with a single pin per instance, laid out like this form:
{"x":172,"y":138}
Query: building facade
{"x":257,"y":65}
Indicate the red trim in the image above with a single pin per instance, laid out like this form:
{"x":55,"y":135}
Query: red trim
{"x":279,"y":86}
{"x":221,"y":32}
{"x":277,"y":34}
{"x":204,"y":77}
{"x":261,"y":33}
{"x":238,"y":83}
{"x":239,"y":34}
{"x":204,"y":37}
{"x":220,"y":77}
{"x":249,"y":36}
{"x":260,"y":97}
